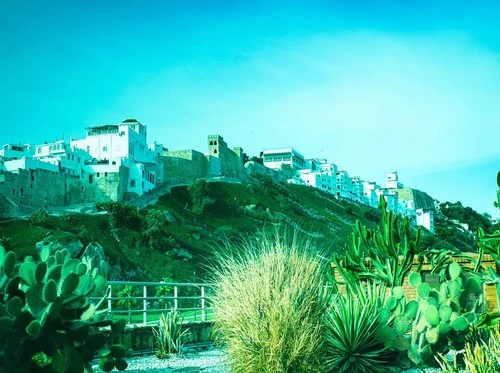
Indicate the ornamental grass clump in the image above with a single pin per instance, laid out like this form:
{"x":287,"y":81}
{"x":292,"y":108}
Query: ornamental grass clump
{"x":269,"y":301}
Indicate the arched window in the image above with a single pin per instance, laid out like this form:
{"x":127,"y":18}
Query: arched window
{"x":215,"y":142}
{"x":211,"y":143}
{"x":215,"y":151}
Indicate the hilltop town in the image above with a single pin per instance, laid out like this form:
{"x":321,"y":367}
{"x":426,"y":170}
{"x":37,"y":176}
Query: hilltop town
{"x":115,"y":162}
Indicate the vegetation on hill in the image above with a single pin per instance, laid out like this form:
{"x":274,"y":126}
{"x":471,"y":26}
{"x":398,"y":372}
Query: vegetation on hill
{"x":174,"y":238}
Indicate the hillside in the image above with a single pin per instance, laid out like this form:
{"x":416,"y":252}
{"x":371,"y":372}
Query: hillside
{"x":167,"y":240}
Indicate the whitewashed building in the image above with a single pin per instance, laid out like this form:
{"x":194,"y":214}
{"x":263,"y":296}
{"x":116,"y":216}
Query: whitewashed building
{"x":425,"y":218}
{"x":277,"y":158}
{"x":16,"y":151}
{"x":122,"y":145}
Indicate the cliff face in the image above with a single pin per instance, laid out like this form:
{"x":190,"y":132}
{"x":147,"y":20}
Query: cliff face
{"x":421,"y":200}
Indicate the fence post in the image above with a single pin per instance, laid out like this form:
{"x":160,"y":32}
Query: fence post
{"x":175,"y":298}
{"x":145,"y":305}
{"x":109,"y":297}
{"x":203,"y":315}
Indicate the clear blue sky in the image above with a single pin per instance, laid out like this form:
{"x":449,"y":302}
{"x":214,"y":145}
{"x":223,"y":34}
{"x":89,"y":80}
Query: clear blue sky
{"x":374,"y":86}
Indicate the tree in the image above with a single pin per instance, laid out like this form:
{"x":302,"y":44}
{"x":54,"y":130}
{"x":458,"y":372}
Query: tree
{"x":198,"y":190}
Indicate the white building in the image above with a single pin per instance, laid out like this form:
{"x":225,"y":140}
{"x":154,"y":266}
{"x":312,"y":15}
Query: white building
{"x":357,"y":189}
{"x":323,"y":180}
{"x":343,"y":185}
{"x":16,"y":151}
{"x":67,"y":158}
{"x":425,"y":218}
{"x":124,"y":140}
{"x":122,"y":145}
{"x":276,"y":158}
{"x":370,"y":193}
{"x":392,"y":181}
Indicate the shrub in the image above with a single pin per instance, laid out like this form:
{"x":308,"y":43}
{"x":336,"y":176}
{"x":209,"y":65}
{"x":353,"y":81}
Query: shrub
{"x":120,"y":214}
{"x":353,"y":343}
{"x":39,"y":218}
{"x":269,"y":301}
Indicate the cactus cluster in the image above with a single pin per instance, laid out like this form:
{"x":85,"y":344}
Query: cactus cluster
{"x":384,"y":254}
{"x":396,"y":317}
{"x":444,"y":315}
{"x":46,"y":315}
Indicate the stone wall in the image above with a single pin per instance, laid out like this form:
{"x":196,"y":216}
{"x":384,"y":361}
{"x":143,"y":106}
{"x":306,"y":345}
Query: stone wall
{"x":140,"y":338}
{"x":182,"y":166}
{"x":31,"y":189}
{"x":489,"y":291}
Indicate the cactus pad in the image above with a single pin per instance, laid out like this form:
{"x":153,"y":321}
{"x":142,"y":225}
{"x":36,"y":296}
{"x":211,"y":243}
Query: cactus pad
{"x":454,"y":270}
{"x":432,"y":315}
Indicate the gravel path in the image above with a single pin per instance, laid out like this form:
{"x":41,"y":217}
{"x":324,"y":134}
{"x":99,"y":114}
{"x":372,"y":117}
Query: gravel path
{"x":211,"y":361}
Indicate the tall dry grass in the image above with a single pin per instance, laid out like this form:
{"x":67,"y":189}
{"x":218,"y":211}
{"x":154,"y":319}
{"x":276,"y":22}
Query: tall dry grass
{"x":269,"y":302}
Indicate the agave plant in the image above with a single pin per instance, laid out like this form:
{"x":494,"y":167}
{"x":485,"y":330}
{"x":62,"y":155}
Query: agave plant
{"x":352,"y":343}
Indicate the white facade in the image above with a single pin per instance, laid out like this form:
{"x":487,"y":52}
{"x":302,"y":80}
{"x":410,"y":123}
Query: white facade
{"x":69,"y":159}
{"x":344,"y":185}
{"x":276,"y":158}
{"x":425,"y":218}
{"x":28,"y":164}
{"x":317,"y":179}
{"x":16,"y":151}
{"x":392,"y":181}
{"x":357,"y":189}
{"x":123,"y":144}
{"x":124,"y":140}
{"x":370,"y":194}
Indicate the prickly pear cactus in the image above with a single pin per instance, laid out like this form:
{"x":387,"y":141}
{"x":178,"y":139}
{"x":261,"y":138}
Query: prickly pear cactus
{"x":444,"y":315}
{"x":47,"y":319}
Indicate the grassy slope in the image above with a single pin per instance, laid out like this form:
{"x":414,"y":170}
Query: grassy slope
{"x":305,"y":208}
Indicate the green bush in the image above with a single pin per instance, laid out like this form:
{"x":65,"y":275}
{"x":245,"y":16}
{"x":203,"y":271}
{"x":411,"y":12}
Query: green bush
{"x":39,"y":218}
{"x":120,"y":214}
{"x":269,"y":301}
{"x":198,"y":191}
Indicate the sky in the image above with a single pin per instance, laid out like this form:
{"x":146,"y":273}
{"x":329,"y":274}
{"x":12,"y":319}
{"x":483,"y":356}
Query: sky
{"x":372,"y":86}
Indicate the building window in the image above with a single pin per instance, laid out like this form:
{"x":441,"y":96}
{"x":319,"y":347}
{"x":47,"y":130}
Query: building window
{"x":113,"y":163}
{"x":105,"y":174}
{"x":13,"y":192}
{"x":98,"y":174}
{"x":132,"y":183}
{"x":91,"y":179}
{"x":104,"y":148}
{"x":215,"y":151}
{"x":21,"y":192}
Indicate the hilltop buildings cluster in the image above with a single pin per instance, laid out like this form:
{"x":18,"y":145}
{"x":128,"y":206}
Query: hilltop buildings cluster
{"x":115,"y":162}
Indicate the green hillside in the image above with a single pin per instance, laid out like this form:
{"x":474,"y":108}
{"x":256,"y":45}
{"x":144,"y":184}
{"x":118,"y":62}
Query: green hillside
{"x":167,"y":240}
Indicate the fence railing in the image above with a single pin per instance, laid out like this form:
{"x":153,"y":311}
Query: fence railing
{"x":143,"y":303}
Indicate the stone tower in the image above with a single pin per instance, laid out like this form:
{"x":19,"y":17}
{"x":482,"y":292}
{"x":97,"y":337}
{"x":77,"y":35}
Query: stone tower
{"x":216,"y":146}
